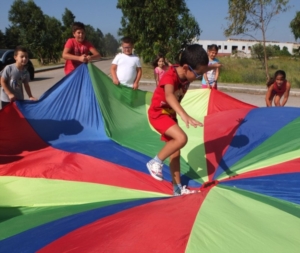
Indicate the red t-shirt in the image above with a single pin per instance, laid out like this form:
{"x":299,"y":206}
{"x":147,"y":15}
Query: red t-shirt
{"x":159,"y":104}
{"x":76,"y":49}
{"x":279,"y":90}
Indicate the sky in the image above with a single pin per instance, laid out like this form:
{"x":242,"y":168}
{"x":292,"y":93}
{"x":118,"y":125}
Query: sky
{"x":210,"y":15}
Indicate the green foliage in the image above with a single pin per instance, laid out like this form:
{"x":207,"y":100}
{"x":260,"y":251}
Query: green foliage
{"x":257,"y":51}
{"x":53,"y":37}
{"x":31,"y":30}
{"x":41,"y":35}
{"x":296,"y":52}
{"x":278,"y":52}
{"x":111,"y":45}
{"x":247,"y":16}
{"x":12,"y":35}
{"x":45,"y":36}
{"x":158,"y":26}
{"x":2,"y":40}
{"x":68,"y":19}
{"x":284,"y":52}
{"x":95,"y":37}
{"x":250,"y":71}
{"x":295,"y":26}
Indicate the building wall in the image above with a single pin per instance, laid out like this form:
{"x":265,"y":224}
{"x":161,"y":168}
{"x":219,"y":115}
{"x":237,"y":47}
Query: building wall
{"x":228,"y":46}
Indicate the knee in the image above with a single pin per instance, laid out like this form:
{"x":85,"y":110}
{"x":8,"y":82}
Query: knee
{"x":182,"y":139}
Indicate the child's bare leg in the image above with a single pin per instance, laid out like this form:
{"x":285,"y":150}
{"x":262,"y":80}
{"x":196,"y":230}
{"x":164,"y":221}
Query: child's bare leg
{"x":178,"y":189}
{"x":172,"y":150}
{"x":277,"y":100}
{"x":178,"y":141}
{"x":271,"y":99}
{"x":175,"y":173}
{"x":175,"y":167}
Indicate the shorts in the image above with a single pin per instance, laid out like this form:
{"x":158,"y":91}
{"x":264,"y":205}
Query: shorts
{"x":274,"y":92}
{"x":206,"y":85}
{"x":161,"y":124}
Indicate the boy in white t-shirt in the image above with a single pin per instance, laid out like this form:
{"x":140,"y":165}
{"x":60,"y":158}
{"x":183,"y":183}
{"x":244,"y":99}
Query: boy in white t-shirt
{"x":126,"y":67}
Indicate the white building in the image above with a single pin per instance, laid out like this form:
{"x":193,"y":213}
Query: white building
{"x":231,"y":45}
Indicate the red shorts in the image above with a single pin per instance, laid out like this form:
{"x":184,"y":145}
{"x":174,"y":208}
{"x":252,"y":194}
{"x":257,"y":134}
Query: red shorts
{"x":161,"y":124}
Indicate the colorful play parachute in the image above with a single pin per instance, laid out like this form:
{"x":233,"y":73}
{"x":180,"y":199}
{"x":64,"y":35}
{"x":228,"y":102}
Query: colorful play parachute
{"x":73,"y":175}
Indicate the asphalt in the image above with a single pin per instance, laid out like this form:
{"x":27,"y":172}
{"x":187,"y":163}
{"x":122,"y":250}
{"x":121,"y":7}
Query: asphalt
{"x":242,"y":88}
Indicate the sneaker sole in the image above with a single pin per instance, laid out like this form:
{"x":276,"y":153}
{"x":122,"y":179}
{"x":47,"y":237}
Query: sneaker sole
{"x":153,"y":175}
{"x":192,"y":192}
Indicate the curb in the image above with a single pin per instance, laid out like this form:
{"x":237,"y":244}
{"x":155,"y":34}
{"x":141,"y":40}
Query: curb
{"x":42,"y":69}
{"x":255,"y":90}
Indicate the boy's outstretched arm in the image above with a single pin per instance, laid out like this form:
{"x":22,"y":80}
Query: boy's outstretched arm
{"x":95,"y":55}
{"x":28,"y":91}
{"x":173,"y":102}
{"x":214,"y":66}
{"x":113,"y":73}
{"x":67,"y":55}
{"x":286,"y":94}
{"x":138,"y":78}
{"x":268,"y":96}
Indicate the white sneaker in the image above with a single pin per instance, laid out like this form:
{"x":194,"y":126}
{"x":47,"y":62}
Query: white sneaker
{"x":155,"y":169}
{"x":185,"y":191}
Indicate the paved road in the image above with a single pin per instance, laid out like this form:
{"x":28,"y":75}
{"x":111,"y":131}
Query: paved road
{"x":45,"y":79}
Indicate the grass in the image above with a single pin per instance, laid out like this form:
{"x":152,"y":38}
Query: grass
{"x":249,"y":71}
{"x":237,"y":70}
{"x":36,"y":64}
{"x":148,"y":71}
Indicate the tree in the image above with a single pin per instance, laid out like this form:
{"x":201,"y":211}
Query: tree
{"x":158,"y":26}
{"x":40,"y":33}
{"x":12,"y":37}
{"x":2,"y":40}
{"x":101,"y":47}
{"x":285,"y":51}
{"x":247,"y":16}
{"x":95,"y":37}
{"x":111,"y":45}
{"x":258,"y":51}
{"x":278,"y":52}
{"x":52,"y":53}
{"x":68,"y":19}
{"x":295,"y":26}
{"x":32,"y":30}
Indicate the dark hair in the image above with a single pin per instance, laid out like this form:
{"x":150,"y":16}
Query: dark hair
{"x":20,"y":48}
{"x":77,"y":26}
{"x":213,"y":47}
{"x":155,"y":62}
{"x":277,"y":73}
{"x":127,"y":40}
{"x":193,"y":56}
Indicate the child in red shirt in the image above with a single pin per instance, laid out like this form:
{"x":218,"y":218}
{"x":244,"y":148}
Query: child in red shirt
{"x":77,"y":50}
{"x":278,"y":86}
{"x":165,"y":105}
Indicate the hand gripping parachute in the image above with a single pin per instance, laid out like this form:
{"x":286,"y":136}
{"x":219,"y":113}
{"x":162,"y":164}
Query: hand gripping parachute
{"x":73,"y":175}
